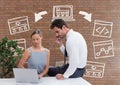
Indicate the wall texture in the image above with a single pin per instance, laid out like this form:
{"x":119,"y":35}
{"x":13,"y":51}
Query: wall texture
{"x":100,"y":29}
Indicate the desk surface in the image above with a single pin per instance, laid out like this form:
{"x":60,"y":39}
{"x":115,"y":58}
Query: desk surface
{"x":47,"y":81}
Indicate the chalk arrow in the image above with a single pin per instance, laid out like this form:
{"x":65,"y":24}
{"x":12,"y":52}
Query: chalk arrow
{"x":87,"y":16}
{"x":38,"y":16}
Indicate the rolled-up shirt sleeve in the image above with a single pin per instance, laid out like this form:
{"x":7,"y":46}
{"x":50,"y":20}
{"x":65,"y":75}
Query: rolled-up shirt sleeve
{"x":73,"y":53}
{"x":76,"y":48}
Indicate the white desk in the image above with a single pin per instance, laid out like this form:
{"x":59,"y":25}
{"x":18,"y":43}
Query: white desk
{"x":47,"y":81}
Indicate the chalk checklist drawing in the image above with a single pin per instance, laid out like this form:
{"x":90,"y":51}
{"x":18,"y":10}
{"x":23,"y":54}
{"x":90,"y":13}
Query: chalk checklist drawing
{"x":103,"y":49}
{"x":63,"y":12}
{"x":18,"y":25}
{"x":94,"y":69}
{"x":102,"y":29}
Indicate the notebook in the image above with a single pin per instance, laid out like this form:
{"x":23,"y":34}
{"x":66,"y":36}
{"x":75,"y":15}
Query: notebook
{"x":25,"y":75}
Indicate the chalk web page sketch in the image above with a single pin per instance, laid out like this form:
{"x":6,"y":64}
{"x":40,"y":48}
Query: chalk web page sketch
{"x":103,"y":49}
{"x":21,"y":43}
{"x":102,"y":29}
{"x":18,"y":25}
{"x":59,"y":63}
{"x":94,"y":69}
{"x":63,"y":12}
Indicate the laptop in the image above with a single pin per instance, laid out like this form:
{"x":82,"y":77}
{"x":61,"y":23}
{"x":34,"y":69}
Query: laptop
{"x":25,"y":75}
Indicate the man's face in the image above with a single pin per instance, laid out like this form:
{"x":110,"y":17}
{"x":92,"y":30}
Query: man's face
{"x":59,"y":32}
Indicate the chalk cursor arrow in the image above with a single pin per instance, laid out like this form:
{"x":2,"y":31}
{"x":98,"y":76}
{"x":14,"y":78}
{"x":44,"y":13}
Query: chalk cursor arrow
{"x":87,"y":16}
{"x":38,"y":16}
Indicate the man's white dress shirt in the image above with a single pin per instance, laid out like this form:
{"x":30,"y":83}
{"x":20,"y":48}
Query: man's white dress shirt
{"x":76,"y":50}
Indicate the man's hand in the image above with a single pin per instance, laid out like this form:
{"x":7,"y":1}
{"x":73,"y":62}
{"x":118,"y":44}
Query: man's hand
{"x":59,"y":40}
{"x":60,"y":77}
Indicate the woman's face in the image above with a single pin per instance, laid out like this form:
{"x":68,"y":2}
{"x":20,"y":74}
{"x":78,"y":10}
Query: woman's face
{"x":36,"y":39}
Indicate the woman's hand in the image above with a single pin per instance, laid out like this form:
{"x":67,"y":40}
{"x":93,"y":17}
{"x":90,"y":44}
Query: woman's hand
{"x":40,"y":76}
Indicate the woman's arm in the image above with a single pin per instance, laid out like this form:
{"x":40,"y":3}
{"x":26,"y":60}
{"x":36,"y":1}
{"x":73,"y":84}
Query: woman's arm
{"x":24,"y":58}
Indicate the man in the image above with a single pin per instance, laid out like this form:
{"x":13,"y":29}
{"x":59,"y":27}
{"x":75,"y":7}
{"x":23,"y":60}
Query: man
{"x":76,"y":49}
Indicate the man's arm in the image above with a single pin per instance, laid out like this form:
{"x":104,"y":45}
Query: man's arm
{"x":72,"y":47}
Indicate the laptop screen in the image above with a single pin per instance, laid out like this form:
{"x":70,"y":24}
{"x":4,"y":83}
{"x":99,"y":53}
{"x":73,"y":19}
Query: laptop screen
{"x":25,"y":75}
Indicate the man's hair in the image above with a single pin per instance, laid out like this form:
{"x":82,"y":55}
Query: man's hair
{"x":36,"y":31}
{"x":58,"y":23}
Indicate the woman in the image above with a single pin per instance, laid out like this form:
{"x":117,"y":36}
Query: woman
{"x":36,"y":56}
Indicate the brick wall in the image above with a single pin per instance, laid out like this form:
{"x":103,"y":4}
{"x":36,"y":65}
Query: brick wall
{"x":107,"y":30}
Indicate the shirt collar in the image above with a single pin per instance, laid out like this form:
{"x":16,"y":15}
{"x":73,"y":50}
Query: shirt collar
{"x":69,"y":33}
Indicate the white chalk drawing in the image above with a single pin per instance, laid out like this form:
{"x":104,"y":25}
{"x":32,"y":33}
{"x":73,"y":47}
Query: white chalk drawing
{"x":21,"y":43}
{"x":63,"y":12}
{"x":38,"y":16}
{"x":103,"y":49}
{"x":87,"y":16}
{"x":18,"y":25}
{"x":59,"y":63}
{"x":102,"y":28}
{"x":94,"y":69}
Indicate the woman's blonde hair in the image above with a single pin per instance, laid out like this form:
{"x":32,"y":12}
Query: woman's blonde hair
{"x":37,"y":31}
